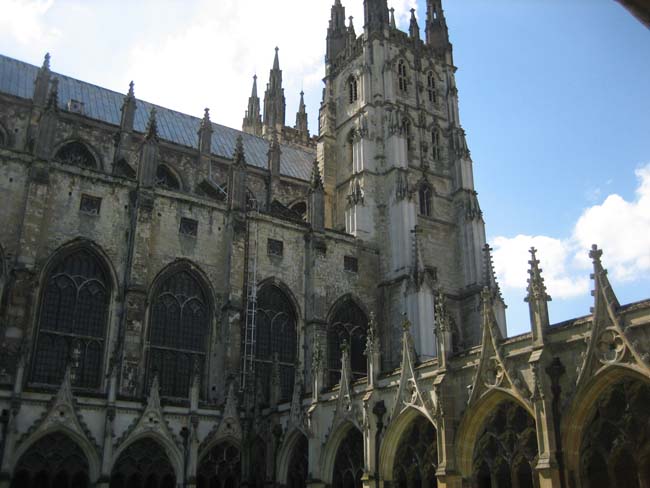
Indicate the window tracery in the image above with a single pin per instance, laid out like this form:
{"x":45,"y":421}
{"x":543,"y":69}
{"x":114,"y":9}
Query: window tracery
{"x":416,"y":458}
{"x":72,"y":322}
{"x":298,"y":465}
{"x":144,"y":464}
{"x":348,"y":324}
{"x":220,"y":468}
{"x":178,"y":327}
{"x":431,"y":87}
{"x":166,"y":179}
{"x":276,"y":340}
{"x":425,"y":200}
{"x":53,"y":461}
{"x":76,"y":154}
{"x":402,"y":79}
{"x":348,"y":465}
{"x":353,"y":91}
{"x":435,"y":145}
{"x":615,"y":449}
{"x":408,"y":132}
{"x":506,"y":451}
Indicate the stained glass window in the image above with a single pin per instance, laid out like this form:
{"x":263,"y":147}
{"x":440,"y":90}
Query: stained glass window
{"x":349,"y":324}
{"x":179,"y":324}
{"x":276,"y":337}
{"x":72,"y":322}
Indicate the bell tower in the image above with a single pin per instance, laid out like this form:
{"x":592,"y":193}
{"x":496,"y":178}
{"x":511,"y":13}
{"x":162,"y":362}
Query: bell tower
{"x":397,"y":172}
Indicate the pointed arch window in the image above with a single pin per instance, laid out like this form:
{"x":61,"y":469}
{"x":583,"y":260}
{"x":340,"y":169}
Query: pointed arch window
{"x":298,"y":465}
{"x":435,"y":144}
{"x":425,"y":195}
{"x":76,"y":154}
{"x":144,"y":464}
{"x":349,"y":150}
{"x":349,"y":325}
{"x":179,"y":322}
{"x":416,"y":458}
{"x":353,"y":89}
{"x":277,"y":341}
{"x":166,"y":179}
{"x":408,"y":133}
{"x":220,"y":467}
{"x":348,"y":465}
{"x":402,"y":77}
{"x":72,"y":321}
{"x":431,"y":87}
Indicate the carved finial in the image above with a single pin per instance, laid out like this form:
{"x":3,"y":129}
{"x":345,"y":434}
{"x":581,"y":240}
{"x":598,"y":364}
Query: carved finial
{"x":441,"y":313}
{"x":372,"y":339}
{"x":536,"y":287}
{"x":276,"y":60}
{"x":239,"y":157}
{"x":46,"y":62}
{"x":316,"y":180}
{"x":152,"y":126}
{"x":490,"y":277}
{"x":392,"y":18}
{"x":205,"y":122}
{"x":595,"y":254}
{"x":131,"y":90}
{"x":317,"y":356}
{"x":406,"y":323}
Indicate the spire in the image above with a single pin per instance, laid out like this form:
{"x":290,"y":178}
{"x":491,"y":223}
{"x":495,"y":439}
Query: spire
{"x":301,"y":117}
{"x":603,"y":292}
{"x":316,"y":200}
{"x":53,"y":96}
{"x":316,"y":179}
{"x":489,"y":276}
{"x":393,"y":25}
{"x":375,"y":15}
{"x":205,"y":133}
{"x":46,"y":62}
{"x":537,"y":299}
{"x":237,"y":178}
{"x":239,"y":157}
{"x":42,"y":82}
{"x":436,"y":29}
{"x":128,"y":110}
{"x":152,"y":126}
{"x":351,"y":34}
{"x":335,"y":32}
{"x":252,"y":119}
{"x":274,"y":101}
{"x":414,"y":28}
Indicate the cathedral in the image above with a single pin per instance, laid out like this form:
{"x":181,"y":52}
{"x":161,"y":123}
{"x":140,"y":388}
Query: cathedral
{"x":184,"y":304}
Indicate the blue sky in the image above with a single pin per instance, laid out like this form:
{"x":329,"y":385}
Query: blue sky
{"x":554,"y":97}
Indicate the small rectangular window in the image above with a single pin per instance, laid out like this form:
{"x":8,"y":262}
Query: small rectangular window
{"x":189,"y":227}
{"x":90,"y":205}
{"x":351,"y":264}
{"x":274,"y":247}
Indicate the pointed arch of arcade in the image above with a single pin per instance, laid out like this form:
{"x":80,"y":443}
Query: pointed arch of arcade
{"x":54,"y":449}
{"x":395,"y":433}
{"x":181,"y":294}
{"x":339,"y":439}
{"x":223,"y":452}
{"x":146,"y":444}
{"x":76,"y":297}
{"x":475,"y":420}
{"x":290,"y":448}
{"x":577,"y":419}
{"x":347,"y":320}
{"x":78,"y":152}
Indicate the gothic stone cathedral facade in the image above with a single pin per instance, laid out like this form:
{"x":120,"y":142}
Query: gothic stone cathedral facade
{"x":187,"y":305}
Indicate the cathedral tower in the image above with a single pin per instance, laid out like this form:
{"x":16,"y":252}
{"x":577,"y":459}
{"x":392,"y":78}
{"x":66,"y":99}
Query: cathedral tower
{"x":397,"y":171}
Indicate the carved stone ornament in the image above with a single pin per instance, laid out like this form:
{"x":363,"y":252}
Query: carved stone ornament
{"x":346,"y":408}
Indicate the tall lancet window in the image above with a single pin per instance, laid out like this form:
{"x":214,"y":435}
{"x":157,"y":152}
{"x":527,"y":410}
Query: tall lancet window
{"x":179,"y":321}
{"x":425,"y":199}
{"x":353,"y":89}
{"x":435,"y":144}
{"x":431,"y":87}
{"x":72,"y":321}
{"x":348,"y":325}
{"x":402,"y":80}
{"x":277,"y":341}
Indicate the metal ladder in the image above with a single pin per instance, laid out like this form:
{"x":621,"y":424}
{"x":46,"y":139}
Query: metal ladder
{"x":248,"y":358}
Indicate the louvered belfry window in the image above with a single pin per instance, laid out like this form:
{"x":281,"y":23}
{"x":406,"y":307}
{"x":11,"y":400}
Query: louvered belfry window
{"x":276,"y":338}
{"x":72,"y":324}
{"x":178,"y":329}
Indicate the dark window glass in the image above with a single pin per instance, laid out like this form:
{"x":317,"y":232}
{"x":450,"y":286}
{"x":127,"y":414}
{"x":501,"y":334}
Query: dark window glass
{"x":401,"y":76}
{"x":166,"y":179}
{"x":188,"y":227}
{"x":350,"y":264}
{"x":54,"y":460}
{"x":348,"y":465}
{"x":353,"y":93}
{"x":144,"y":464}
{"x":221,"y":467}
{"x":298,"y":465}
{"x":72,"y":322}
{"x":274,"y":247}
{"x":90,"y":205}
{"x":300,"y":208}
{"x":178,"y":329}
{"x":435,"y":144}
{"x":276,"y":340}
{"x":349,"y":324}
{"x":416,"y":458}
{"x":431,"y":87}
{"x":425,"y":200}
{"x":77,"y":154}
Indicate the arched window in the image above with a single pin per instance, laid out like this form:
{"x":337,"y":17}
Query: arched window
{"x":507,"y":448}
{"x":348,"y":465}
{"x":353,"y":92}
{"x":435,"y":144}
{"x":402,"y":80}
{"x":425,"y":200}
{"x":276,"y":339}
{"x":408,"y":133}
{"x":53,"y":461}
{"x":298,"y":465}
{"x":349,"y":149}
{"x":72,"y":321}
{"x":416,"y":459}
{"x":77,"y":154}
{"x":178,"y":332}
{"x":431,"y":87}
{"x":300,"y":208}
{"x":144,"y":464}
{"x":220,"y":467}
{"x":166,"y":179}
{"x":348,"y":325}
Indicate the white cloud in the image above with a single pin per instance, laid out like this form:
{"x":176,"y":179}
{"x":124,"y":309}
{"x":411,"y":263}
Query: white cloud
{"x":620,"y":227}
{"x":23,"y":20}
